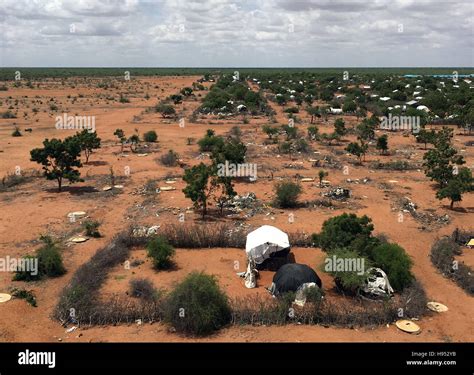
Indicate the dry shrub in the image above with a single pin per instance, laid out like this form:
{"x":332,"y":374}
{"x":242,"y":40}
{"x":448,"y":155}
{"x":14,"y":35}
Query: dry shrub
{"x":349,"y":313}
{"x":204,"y":235}
{"x":442,"y":257}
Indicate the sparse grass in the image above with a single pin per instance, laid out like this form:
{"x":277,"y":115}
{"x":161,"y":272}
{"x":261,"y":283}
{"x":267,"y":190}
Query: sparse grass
{"x":27,"y":295}
{"x":144,"y":289}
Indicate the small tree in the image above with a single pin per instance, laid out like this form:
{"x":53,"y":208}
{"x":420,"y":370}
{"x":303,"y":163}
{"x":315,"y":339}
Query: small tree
{"x":134,"y":141}
{"x":314,"y":112}
{"x":198,"y":188}
{"x":270,"y":131}
{"x":59,"y":159}
{"x":340,"y":127}
{"x":321,"y":175}
{"x":440,"y":162}
{"x":357,"y":149}
{"x":88,"y":142}
{"x":382,"y":143}
{"x":286,"y":194}
{"x":425,"y":136}
{"x":121,"y":137}
{"x":461,"y":182}
{"x":313,"y":133}
{"x":349,"y":106}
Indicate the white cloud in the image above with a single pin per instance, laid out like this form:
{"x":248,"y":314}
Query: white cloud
{"x":236,"y":32}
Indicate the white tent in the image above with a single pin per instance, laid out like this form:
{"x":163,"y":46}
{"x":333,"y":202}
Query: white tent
{"x":264,"y":241}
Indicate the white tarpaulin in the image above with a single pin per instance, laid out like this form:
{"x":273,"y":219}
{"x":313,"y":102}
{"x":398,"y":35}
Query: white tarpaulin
{"x":264,"y":241}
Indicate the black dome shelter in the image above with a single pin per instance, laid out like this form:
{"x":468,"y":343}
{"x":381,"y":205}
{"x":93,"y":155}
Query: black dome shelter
{"x":291,"y":276}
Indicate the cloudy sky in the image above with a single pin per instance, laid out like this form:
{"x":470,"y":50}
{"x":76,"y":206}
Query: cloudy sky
{"x":245,"y":33}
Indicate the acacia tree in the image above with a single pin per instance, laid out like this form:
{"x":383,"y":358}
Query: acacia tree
{"x":443,"y":159}
{"x":357,"y":149}
{"x":119,"y":133}
{"x":442,"y":165}
{"x":425,"y":136}
{"x":314,"y":112}
{"x":166,"y":110}
{"x":134,"y":140}
{"x":460,"y":183}
{"x":88,"y":142}
{"x":198,"y":188}
{"x":59,"y":159}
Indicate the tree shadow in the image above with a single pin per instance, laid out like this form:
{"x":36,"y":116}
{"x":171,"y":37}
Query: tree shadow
{"x":77,"y":190}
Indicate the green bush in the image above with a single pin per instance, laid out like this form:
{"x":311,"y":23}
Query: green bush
{"x":161,"y":252}
{"x":341,"y":231}
{"x":287,"y":194}
{"x":197,"y":306}
{"x":27,"y":295}
{"x":348,"y":279}
{"x":150,"y":136}
{"x":92,"y":228}
{"x":210,"y":141}
{"x":49,"y":259}
{"x":396,"y":263}
{"x":50,"y":263}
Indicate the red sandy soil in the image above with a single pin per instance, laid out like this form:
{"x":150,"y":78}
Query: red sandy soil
{"x":36,"y":208}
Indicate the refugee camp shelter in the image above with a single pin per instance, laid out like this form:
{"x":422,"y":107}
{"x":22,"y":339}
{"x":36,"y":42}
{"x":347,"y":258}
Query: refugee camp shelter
{"x":290,"y":277}
{"x":266,"y":242}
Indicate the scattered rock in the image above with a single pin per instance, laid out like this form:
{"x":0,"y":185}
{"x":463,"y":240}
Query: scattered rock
{"x":408,"y":326}
{"x":338,"y":193}
{"x":437,"y":307}
{"x":78,"y":239}
{"x":4,"y":297}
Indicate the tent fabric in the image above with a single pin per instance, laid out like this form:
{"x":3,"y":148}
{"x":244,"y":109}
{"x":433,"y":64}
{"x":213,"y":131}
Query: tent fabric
{"x":292,"y":276}
{"x":264,"y":241}
{"x":377,"y":283}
